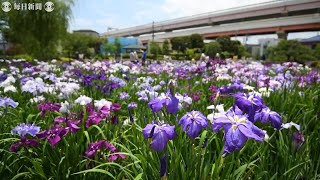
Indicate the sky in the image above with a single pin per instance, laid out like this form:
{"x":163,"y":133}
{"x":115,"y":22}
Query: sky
{"x":98,"y":15}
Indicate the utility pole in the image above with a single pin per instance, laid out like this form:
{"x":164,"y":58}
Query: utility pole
{"x":152,"y":30}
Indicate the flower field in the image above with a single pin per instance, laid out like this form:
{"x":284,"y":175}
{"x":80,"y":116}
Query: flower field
{"x":172,"y":120}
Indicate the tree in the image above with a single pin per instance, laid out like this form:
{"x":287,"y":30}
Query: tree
{"x":180,"y":44}
{"x":109,"y":48}
{"x":165,"y":47}
{"x":81,"y":43}
{"x":212,"y":48}
{"x":155,"y":49}
{"x":196,"y":41}
{"x":113,"y":48}
{"x":117,"y":45}
{"x":290,"y":50}
{"x":225,"y":43}
{"x":39,"y":32}
{"x":317,"y":52}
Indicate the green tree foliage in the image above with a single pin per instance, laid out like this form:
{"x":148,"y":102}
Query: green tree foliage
{"x":81,"y":43}
{"x":39,"y":32}
{"x":231,"y":47}
{"x":155,"y":49}
{"x":117,"y":45}
{"x":317,"y":52}
{"x":180,"y":44}
{"x":196,"y":41}
{"x":226,"y":43}
{"x":290,"y":50}
{"x":212,"y":48}
{"x":166,"y":47}
{"x":109,"y":48}
{"x":114,"y":47}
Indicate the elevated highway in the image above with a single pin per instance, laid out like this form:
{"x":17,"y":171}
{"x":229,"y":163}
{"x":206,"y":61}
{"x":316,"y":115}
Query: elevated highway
{"x":246,"y":20}
{"x":281,"y":25}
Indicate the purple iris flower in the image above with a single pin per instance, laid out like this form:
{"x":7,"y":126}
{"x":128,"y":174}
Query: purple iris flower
{"x":163,"y":165}
{"x":23,"y":142}
{"x":51,"y":107}
{"x":24,"y":129}
{"x":160,"y":133}
{"x":193,"y":122}
{"x":249,"y":103}
{"x":103,"y":144}
{"x":236,"y":86}
{"x":115,"y":107}
{"x":6,"y":102}
{"x":266,"y":115}
{"x":54,"y":134}
{"x":298,"y":139}
{"x":3,"y":77}
{"x":93,"y":118}
{"x":167,"y":100}
{"x":238,"y":129}
{"x":246,"y":102}
{"x":70,"y":122}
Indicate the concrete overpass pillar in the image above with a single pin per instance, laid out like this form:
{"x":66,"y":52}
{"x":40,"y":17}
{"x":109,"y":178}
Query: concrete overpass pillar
{"x":282,"y":35}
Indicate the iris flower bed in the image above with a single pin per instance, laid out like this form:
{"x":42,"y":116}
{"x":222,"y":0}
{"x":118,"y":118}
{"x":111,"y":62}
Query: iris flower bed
{"x":174,"y":120}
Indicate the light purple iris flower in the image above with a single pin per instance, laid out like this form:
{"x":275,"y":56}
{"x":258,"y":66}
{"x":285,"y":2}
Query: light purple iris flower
{"x":193,"y":122}
{"x":167,"y":100}
{"x":24,"y":129}
{"x":238,"y":129}
{"x":6,"y":102}
{"x":132,"y":105}
{"x":160,"y":133}
{"x":124,"y":96}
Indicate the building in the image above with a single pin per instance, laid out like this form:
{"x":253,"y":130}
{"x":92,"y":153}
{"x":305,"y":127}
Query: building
{"x":311,"y":42}
{"x":265,"y":43}
{"x":87,"y":32}
{"x":127,"y":43}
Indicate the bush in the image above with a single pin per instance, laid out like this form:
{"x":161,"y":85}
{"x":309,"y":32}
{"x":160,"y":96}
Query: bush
{"x":317,"y":52}
{"x":65,"y":59}
{"x":23,"y":56}
{"x":315,"y":64}
{"x":99,"y":56}
{"x":190,"y":53}
{"x":290,"y":50}
{"x":212,"y":49}
{"x":226,"y":54}
{"x":178,"y":56}
{"x":125,"y":56}
{"x":155,"y":50}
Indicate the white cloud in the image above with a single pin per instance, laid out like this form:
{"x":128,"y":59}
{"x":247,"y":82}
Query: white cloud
{"x":100,"y":25}
{"x":179,"y":8}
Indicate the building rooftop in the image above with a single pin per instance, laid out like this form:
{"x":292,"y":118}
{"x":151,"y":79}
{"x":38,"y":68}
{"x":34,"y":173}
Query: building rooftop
{"x":312,"y":39}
